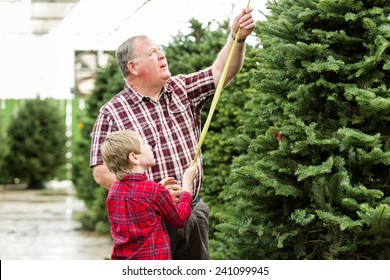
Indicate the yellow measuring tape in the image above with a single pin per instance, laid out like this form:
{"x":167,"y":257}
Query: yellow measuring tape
{"x":217,"y":95}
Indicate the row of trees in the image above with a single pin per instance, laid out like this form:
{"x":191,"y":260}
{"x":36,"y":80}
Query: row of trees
{"x":297,"y":156}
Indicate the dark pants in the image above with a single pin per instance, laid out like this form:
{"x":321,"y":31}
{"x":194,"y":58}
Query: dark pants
{"x":192,"y":241}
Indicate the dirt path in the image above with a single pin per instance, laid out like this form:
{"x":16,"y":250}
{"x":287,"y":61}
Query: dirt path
{"x":40,"y":225}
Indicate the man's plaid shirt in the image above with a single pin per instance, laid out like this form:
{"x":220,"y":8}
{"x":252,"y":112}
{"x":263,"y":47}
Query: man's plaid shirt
{"x":171,"y":126}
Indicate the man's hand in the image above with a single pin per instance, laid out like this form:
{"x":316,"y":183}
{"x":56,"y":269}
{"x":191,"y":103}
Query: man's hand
{"x":245,"y":21}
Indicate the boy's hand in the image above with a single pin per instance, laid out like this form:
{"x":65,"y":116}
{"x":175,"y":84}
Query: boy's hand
{"x":168,"y":181}
{"x":173,"y":188}
{"x":175,"y":191}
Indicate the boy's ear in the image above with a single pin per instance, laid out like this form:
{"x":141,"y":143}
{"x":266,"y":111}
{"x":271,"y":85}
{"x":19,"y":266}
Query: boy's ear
{"x":133,"y":159}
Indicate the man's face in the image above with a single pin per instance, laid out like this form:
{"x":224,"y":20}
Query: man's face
{"x":150,"y":63}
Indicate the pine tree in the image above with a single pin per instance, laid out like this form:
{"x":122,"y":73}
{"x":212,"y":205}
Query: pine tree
{"x":36,"y":142}
{"x":108,"y":83}
{"x":196,"y":50}
{"x":3,"y":147}
{"x":312,"y":180}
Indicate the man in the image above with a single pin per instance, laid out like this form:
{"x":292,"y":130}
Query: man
{"x":165,"y":111}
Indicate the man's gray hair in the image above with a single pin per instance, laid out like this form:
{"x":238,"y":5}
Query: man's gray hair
{"x":125,"y":53}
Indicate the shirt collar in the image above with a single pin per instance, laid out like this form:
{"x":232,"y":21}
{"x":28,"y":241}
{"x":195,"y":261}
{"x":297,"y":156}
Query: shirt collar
{"x":168,"y":87}
{"x":137,"y":97}
{"x":135,"y":177}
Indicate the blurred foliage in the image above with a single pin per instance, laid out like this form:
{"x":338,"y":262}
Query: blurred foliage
{"x":4,"y":147}
{"x":36,"y":137}
{"x":108,"y":83}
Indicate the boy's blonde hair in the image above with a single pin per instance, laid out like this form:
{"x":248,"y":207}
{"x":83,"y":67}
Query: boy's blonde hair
{"x":116,"y":149}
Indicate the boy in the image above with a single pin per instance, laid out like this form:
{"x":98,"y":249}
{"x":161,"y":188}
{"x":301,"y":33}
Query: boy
{"x":137,"y":208}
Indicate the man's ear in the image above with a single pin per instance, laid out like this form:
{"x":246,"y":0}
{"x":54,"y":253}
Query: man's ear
{"x":132,"y":68}
{"x":133,"y":159}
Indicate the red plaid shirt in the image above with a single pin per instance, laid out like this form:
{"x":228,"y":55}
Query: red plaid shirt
{"x":171,"y":126}
{"x":136,"y":210}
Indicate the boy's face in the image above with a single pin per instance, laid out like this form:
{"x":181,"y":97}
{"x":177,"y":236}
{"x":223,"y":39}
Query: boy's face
{"x":147,"y":156}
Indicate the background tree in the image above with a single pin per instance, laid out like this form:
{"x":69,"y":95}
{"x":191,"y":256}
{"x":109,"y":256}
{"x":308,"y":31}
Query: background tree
{"x":36,"y":143}
{"x":312,"y":180}
{"x":108,"y":83}
{"x":198,"y":49}
{"x":3,"y":148}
